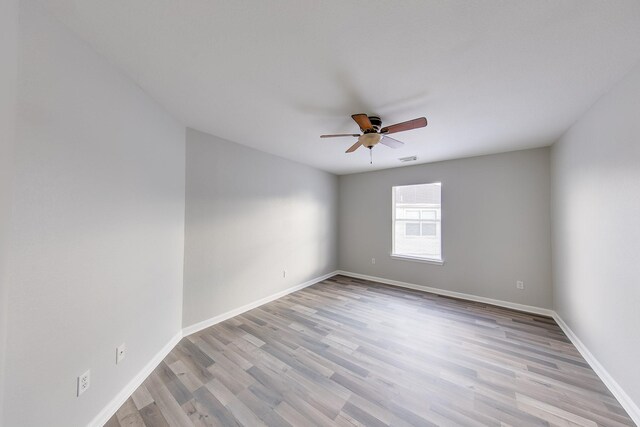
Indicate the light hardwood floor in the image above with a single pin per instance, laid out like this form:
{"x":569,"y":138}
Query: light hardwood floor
{"x":351,"y":352}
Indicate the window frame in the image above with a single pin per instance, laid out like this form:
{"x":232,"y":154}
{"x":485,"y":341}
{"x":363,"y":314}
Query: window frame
{"x":413,"y":258}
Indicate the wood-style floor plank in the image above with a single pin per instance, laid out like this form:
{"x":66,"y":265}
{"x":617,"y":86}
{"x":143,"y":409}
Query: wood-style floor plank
{"x":350,"y":352}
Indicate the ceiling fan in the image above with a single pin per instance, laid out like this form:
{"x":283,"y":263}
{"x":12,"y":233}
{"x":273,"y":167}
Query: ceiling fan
{"x":372,"y":133}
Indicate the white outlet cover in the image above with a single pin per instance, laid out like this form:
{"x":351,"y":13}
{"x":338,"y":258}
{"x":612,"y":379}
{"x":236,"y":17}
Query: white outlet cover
{"x":121,"y":352}
{"x":373,"y":260}
{"x":84,"y":381}
{"x":520,"y":284}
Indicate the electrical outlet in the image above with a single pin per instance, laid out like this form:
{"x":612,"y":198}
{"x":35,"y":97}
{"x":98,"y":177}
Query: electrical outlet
{"x":373,"y":260}
{"x":284,"y":273}
{"x":121,"y":352}
{"x":84,"y":382}
{"x":520,"y":284}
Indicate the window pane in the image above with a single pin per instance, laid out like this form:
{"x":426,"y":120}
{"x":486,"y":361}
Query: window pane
{"x":412,"y":214}
{"x":412,"y":229}
{"x":403,"y":213}
{"x":428,"y":228}
{"x":428,"y":214}
{"x":417,"y":215}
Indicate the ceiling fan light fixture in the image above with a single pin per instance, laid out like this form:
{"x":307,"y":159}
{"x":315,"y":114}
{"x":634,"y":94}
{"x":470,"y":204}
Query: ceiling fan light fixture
{"x":370,"y":139}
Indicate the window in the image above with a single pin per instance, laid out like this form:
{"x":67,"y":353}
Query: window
{"x":417,"y":222}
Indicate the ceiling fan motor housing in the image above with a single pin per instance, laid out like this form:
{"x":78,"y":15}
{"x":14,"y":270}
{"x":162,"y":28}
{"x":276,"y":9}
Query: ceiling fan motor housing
{"x":376,"y":123}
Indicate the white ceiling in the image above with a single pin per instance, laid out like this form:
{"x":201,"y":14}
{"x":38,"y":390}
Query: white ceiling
{"x":489,"y":75}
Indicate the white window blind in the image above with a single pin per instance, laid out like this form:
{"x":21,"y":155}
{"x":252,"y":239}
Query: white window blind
{"x":417,"y":221}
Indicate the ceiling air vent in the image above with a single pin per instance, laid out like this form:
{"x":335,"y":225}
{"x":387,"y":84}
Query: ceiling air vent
{"x":408,"y":159}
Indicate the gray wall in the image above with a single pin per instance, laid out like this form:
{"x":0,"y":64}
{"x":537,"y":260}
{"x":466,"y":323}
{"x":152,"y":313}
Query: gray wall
{"x":98,"y":228}
{"x":249,"y":216}
{"x":596,"y":245}
{"x":496,"y":226}
{"x":8,"y":71}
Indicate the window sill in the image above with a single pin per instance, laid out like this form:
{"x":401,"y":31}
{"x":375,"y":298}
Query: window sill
{"x":418,"y":259}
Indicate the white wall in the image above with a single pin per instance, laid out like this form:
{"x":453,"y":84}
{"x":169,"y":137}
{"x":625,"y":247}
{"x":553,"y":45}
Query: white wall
{"x":8,"y":70}
{"x":596,"y":244}
{"x":98,"y":227}
{"x":495,"y":226}
{"x":249,"y":216}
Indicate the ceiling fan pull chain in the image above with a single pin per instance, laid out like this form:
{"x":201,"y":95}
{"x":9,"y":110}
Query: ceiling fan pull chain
{"x":370,"y":155}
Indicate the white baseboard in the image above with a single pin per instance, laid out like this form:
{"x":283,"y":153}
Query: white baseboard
{"x":632,"y":409}
{"x":236,"y":311}
{"x":115,"y":404}
{"x":469,"y":297}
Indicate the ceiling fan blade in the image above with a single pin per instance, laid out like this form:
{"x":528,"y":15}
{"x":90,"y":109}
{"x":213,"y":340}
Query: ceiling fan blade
{"x":339,"y":134}
{"x":363,"y":121}
{"x":390,"y":142}
{"x":354,"y":147}
{"x":408,"y":125}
